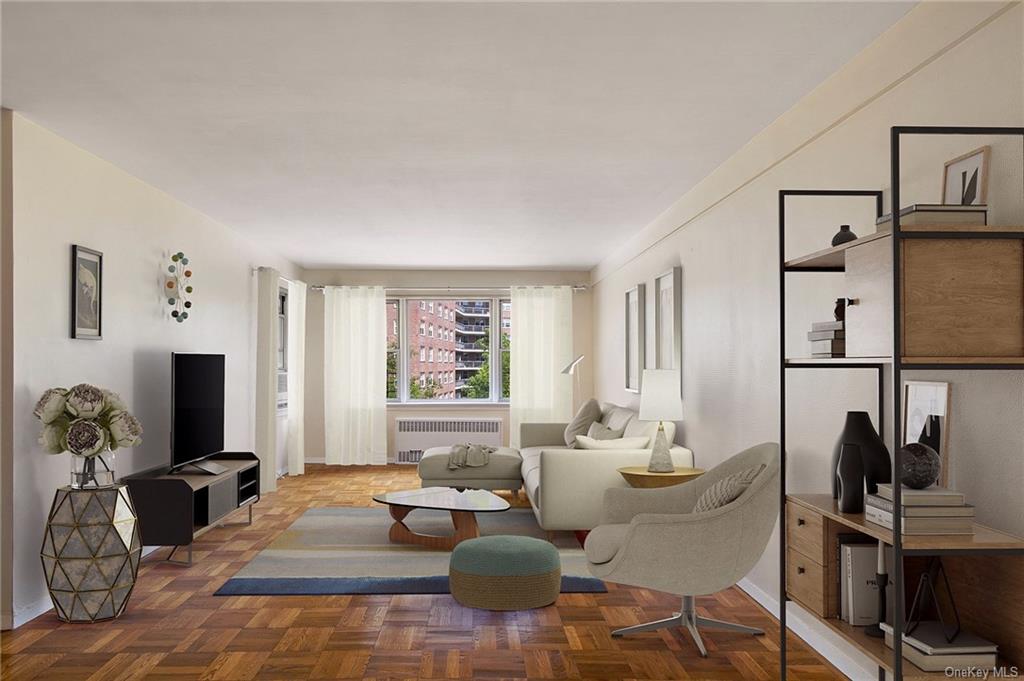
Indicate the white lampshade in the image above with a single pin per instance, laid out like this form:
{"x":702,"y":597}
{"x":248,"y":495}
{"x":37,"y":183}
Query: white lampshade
{"x":659,"y":396}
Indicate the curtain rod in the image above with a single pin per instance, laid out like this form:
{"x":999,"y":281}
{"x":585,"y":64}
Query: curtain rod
{"x":255,"y":270}
{"x":448,"y":289}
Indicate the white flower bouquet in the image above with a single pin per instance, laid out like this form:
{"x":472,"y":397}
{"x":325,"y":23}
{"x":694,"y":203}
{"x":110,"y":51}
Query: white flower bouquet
{"x":89,"y":422}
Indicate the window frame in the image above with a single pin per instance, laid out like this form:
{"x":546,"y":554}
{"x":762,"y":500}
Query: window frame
{"x":282,"y":346}
{"x":495,"y":398}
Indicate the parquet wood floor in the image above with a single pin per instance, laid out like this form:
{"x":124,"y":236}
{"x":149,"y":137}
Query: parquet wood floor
{"x":175,"y":629}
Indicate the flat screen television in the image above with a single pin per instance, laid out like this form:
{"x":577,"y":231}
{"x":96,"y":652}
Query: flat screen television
{"x":197,"y":407}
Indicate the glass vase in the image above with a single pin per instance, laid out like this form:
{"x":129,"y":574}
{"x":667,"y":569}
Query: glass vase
{"x":92,"y":472}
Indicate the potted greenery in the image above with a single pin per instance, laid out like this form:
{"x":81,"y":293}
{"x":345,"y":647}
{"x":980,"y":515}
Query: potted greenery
{"x":90,"y":423}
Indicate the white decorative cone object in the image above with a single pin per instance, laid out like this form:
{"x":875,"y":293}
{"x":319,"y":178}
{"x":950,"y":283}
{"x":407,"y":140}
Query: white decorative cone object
{"x":661,"y":459}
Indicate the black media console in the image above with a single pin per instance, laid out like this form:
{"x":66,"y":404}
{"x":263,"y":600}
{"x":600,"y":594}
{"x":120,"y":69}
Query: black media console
{"x":175,"y":508}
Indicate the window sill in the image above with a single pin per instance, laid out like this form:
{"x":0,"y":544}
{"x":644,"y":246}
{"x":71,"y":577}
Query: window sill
{"x":447,"y":404}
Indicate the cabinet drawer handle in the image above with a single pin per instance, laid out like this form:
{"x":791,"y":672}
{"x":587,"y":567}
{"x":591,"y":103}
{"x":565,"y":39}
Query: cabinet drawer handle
{"x":800,"y":522}
{"x":800,"y":570}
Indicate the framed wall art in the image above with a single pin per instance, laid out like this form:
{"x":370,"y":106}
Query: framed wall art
{"x":635,"y":336}
{"x":86,"y":293}
{"x":965,"y":178}
{"x":668,"y":322}
{"x":926,"y":410}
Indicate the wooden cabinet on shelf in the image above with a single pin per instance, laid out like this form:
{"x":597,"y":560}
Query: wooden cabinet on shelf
{"x":963,"y":298}
{"x":806,"y":571}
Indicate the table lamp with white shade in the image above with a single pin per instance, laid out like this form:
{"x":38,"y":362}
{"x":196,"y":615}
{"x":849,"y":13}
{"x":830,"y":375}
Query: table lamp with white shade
{"x":660,"y":401}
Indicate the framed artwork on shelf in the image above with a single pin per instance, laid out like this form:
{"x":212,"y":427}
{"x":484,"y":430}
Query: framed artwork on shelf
{"x":86,"y":293}
{"x":635,"y":337}
{"x":965,"y":178}
{"x":668,"y":322}
{"x":926,"y":410}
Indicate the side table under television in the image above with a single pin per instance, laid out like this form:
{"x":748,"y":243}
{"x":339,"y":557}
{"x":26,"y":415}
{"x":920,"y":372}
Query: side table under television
{"x":176,"y":507}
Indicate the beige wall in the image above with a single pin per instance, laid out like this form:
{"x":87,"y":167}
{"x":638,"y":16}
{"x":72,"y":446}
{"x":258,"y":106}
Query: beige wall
{"x":62,"y":196}
{"x":944,"y":64}
{"x":6,"y":372}
{"x":412,"y":279}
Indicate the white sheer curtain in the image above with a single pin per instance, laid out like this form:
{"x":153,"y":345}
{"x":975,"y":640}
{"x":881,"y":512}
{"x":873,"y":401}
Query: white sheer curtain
{"x":541,"y":347}
{"x":296,"y":378}
{"x":268,"y":284}
{"x":355,"y":395}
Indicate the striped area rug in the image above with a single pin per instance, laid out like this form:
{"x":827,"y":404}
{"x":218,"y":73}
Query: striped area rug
{"x":331,"y":551}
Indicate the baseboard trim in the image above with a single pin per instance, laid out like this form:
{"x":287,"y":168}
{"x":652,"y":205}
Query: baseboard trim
{"x":806,"y":626}
{"x":323,"y":460}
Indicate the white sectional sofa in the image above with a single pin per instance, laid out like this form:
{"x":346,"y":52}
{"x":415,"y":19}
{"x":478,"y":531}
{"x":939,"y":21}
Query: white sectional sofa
{"x":565,"y":486}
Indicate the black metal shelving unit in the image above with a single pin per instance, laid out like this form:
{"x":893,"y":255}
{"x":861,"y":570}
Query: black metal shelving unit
{"x":895,"y":361}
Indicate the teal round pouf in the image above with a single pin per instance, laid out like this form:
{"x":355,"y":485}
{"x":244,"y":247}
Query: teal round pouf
{"x":505,"y":572}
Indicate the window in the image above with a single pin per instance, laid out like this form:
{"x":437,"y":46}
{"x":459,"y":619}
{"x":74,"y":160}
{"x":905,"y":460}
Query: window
{"x":282,"y":348}
{"x":394,"y":351}
{"x":459,"y":363}
{"x":505,"y":353}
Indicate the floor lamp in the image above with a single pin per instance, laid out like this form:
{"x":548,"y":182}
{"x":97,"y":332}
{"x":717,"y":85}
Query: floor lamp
{"x":573,"y":369}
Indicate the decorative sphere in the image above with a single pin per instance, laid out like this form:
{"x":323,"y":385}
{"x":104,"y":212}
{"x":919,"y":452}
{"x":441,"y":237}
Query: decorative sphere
{"x":188,"y":273}
{"x":170,"y":283}
{"x":170,"y":301}
{"x":174,"y":258}
{"x":184,"y":261}
{"x":174,"y":313}
{"x":171,"y":268}
{"x":180,"y":319}
{"x":184,"y":315}
{"x":188,"y":303}
{"x":180,"y":255}
{"x":188,"y":289}
{"x":921,"y":465}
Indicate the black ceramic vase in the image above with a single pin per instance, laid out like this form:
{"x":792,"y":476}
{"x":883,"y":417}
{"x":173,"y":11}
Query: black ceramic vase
{"x":850,"y":477}
{"x":874,"y":455}
{"x":843,"y":236}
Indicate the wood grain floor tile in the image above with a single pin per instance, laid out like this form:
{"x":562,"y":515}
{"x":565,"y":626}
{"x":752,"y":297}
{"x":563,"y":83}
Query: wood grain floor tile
{"x":176,"y":629}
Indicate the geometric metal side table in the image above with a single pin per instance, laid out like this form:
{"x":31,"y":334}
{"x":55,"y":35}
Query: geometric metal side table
{"x":91,"y":551}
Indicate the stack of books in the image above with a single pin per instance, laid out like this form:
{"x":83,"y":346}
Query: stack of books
{"x":924,"y":215}
{"x":928,"y":648}
{"x":828,"y":339}
{"x":933,"y":510}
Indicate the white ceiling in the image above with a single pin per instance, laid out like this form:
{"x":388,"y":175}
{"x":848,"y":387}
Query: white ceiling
{"x":536,"y":135}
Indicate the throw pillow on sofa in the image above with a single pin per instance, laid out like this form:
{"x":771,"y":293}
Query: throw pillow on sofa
{"x":589,"y":413}
{"x":726,"y":490}
{"x":619,"y":443}
{"x":599,"y":431}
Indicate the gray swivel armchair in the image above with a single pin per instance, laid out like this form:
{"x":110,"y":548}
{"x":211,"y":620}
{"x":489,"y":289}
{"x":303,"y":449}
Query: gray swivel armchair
{"x":651,"y":538}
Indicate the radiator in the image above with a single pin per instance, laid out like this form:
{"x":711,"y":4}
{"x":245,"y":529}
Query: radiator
{"x":413,"y":436}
